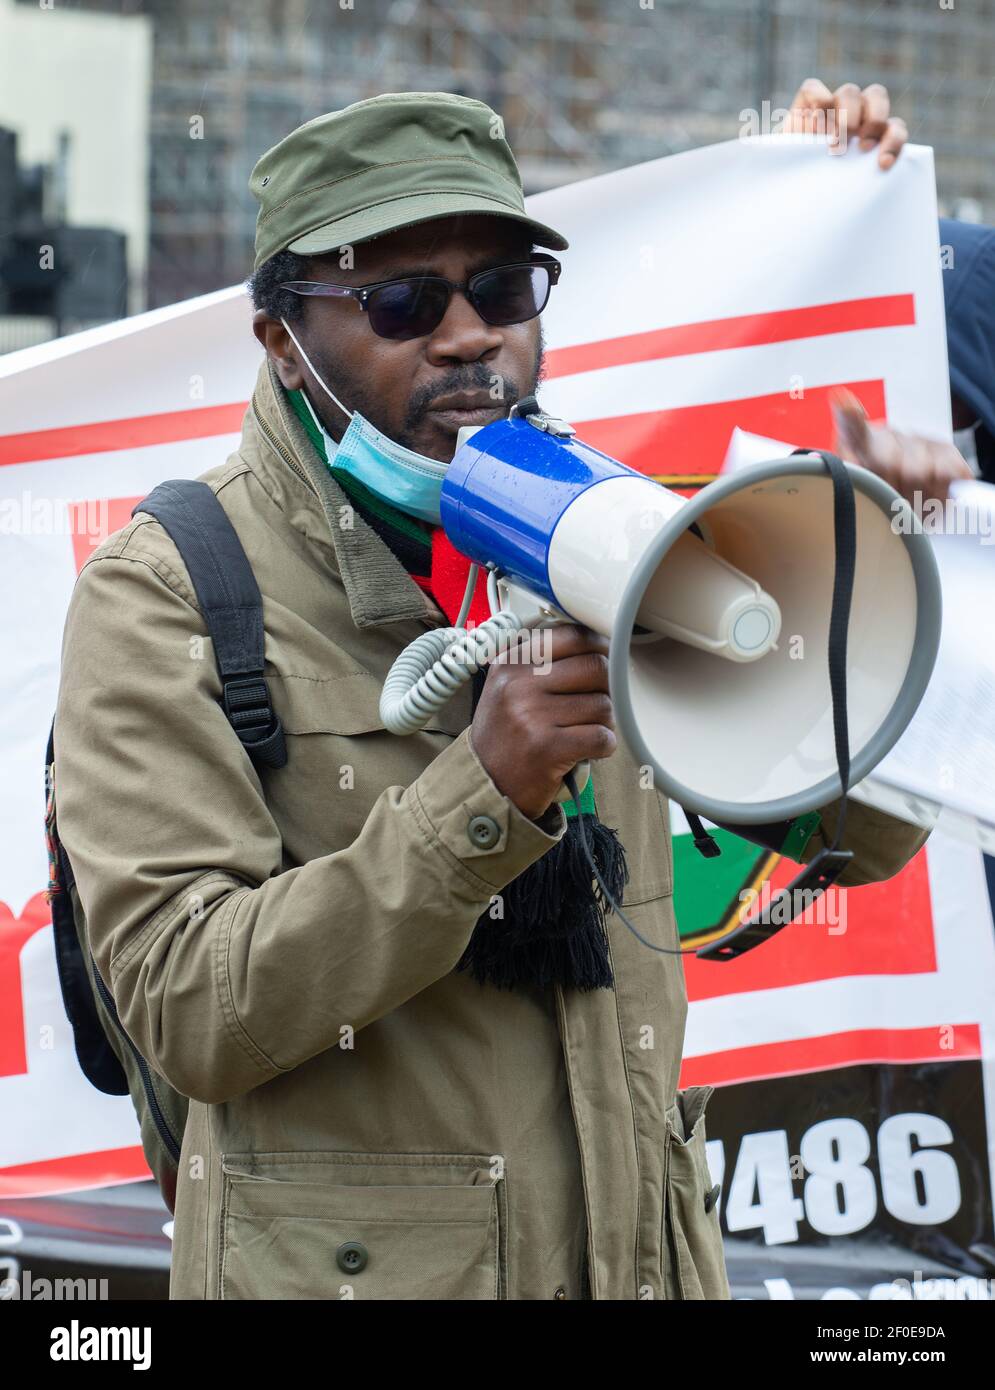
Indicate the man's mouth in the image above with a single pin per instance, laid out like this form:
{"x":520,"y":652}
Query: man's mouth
{"x":465,"y":408}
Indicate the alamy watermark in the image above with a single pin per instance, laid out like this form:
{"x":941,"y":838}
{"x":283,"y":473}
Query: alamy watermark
{"x":805,"y":906}
{"x":949,"y":517}
{"x":34,"y":515}
{"x":519,"y":647}
{"x":780,"y":120}
{"x":27,"y":1287}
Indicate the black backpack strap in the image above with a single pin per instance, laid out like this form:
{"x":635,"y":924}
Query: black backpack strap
{"x":96,"y":1057}
{"x":231,"y":605}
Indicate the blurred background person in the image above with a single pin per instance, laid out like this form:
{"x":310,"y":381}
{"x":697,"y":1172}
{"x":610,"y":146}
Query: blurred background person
{"x":922,"y":468}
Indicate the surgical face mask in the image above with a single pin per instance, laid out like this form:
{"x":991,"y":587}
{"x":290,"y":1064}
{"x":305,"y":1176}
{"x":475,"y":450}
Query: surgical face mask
{"x":395,"y":474}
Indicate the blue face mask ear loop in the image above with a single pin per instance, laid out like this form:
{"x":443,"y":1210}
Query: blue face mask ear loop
{"x":349,"y":413}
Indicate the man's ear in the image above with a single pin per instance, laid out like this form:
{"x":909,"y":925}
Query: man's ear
{"x":277,"y":344}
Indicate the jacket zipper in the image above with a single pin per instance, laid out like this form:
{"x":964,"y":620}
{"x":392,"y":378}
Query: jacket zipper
{"x":161,"y":1123}
{"x":284,"y":453}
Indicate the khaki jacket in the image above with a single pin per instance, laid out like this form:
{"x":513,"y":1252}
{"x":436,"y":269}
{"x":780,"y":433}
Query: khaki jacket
{"x":364,"y":1121}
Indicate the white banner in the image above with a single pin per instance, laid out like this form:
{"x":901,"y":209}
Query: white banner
{"x":732,"y":287}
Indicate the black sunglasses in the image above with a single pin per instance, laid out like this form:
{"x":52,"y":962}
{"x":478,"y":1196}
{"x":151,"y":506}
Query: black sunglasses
{"x":415,"y":306}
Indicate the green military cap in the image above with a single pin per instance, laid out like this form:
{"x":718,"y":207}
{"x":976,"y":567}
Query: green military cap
{"x":384,"y":163}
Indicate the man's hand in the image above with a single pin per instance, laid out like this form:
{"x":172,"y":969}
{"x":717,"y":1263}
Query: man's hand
{"x":849,"y":112}
{"x":910,"y":463}
{"x":534,"y":722}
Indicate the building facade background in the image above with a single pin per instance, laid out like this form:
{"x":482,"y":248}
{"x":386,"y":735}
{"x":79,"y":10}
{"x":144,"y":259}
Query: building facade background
{"x":584,"y":86}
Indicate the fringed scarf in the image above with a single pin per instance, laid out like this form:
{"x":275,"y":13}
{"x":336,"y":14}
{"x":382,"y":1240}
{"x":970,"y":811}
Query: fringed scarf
{"x":548,"y":926}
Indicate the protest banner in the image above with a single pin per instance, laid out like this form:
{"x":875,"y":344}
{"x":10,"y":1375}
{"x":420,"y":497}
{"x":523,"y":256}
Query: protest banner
{"x":734,"y":287}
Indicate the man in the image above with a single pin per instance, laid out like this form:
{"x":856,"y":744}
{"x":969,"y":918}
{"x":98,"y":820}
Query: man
{"x":414,"y":1072}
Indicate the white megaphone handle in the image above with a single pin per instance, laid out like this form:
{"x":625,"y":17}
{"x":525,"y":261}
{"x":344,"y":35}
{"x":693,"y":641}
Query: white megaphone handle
{"x":534,"y":613}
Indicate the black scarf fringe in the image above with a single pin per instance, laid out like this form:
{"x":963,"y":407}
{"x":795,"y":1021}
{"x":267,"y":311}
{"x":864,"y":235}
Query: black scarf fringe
{"x":553,"y":929}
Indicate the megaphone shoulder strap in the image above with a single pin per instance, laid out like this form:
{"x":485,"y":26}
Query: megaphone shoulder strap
{"x":845,"y":532}
{"x":827,"y":866}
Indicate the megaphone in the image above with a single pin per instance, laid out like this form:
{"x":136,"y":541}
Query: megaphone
{"x":717,"y":608}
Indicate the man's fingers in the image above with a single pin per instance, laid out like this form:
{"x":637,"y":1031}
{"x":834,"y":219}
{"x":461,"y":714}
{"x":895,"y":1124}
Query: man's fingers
{"x":958,"y":467}
{"x":887,"y":456}
{"x":587,"y":671}
{"x":876,"y":106}
{"x":939,"y":465}
{"x":570,"y":639}
{"x":592,"y":707}
{"x":812,"y":98}
{"x":919,"y":469}
{"x":813,"y":95}
{"x":878,"y":450}
{"x":937,"y":475}
{"x":920,"y":474}
{"x":895,"y":135}
{"x":547,"y":644}
{"x":583,"y":741}
{"x":848,"y":111}
{"x":914,"y":470}
{"x":852,"y":429}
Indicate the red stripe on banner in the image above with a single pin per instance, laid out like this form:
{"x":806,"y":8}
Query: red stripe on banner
{"x":746,"y":330}
{"x":695,"y":438}
{"x":681,"y":340}
{"x":949,"y":1042}
{"x":74,"y":1173}
{"x":664,"y":443}
{"x":106,"y":436}
{"x":14,"y":932}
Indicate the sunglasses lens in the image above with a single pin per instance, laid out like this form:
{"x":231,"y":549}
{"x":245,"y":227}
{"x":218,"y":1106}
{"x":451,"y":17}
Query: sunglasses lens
{"x":414,"y":308}
{"x":408,"y":308}
{"x":512,"y":295}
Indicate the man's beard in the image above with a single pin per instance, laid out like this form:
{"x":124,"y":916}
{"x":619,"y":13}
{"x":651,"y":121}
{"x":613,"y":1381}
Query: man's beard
{"x":472,"y":376}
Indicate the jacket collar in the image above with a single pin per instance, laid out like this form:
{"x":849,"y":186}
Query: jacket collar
{"x":276,"y":445}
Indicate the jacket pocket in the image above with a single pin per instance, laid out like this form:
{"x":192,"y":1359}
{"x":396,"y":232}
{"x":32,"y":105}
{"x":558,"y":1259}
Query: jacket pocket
{"x":694,"y":1260}
{"x":341,"y":759}
{"x":360,"y":1226}
{"x":347,"y":704}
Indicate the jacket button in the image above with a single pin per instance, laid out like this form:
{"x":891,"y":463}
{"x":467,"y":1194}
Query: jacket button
{"x":712,"y":1197}
{"x":351,"y":1256}
{"x":484,"y":832}
{"x":560,"y":1293}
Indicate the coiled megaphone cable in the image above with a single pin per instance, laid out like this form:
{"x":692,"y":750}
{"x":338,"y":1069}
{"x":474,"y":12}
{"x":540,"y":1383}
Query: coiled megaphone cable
{"x":435,"y":665}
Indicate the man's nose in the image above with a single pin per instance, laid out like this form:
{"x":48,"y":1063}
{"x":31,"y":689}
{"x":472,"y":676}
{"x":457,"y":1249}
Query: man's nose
{"x":462,"y":335}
